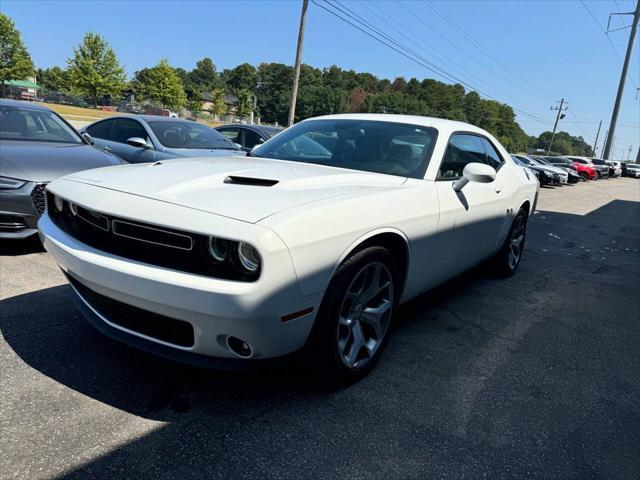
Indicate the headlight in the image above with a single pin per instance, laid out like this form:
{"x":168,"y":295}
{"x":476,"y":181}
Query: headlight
{"x":58,"y":202}
{"x":219,"y":249}
{"x":249,"y":257}
{"x":7,"y":183}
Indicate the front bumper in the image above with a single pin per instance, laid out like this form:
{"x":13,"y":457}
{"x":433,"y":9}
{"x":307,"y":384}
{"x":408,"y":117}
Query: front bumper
{"x":18,"y":214}
{"x":214,"y":308}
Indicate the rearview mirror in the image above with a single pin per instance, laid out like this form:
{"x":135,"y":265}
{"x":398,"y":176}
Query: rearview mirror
{"x":475,"y":172}
{"x":87,"y":138}
{"x":138,"y":142}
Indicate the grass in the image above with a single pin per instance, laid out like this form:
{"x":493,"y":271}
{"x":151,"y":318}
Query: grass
{"x":78,"y":113}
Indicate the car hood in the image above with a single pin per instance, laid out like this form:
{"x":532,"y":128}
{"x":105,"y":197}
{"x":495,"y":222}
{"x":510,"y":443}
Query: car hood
{"x":559,"y":170}
{"x":244,"y":188}
{"x":47,"y":161}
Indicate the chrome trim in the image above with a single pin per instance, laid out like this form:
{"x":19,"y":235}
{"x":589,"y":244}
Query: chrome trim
{"x":113,"y":229}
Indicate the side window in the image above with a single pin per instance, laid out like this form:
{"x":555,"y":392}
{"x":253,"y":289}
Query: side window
{"x":125,"y":128}
{"x":251,"y":139}
{"x":462,"y":149}
{"x":493,"y":157}
{"x":232,"y":134}
{"x":101,"y":129}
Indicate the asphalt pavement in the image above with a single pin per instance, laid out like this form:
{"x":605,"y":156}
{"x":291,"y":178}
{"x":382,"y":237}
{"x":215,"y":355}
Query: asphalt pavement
{"x":536,"y":376}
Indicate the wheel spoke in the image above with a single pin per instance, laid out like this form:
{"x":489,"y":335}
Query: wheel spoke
{"x":356,"y":345}
{"x":373,"y":317}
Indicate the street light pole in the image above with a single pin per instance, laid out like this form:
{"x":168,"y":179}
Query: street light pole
{"x":296,"y":73}
{"x":608,"y":148}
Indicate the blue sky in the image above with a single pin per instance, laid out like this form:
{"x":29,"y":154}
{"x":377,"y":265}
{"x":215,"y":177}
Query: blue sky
{"x":546,"y":49}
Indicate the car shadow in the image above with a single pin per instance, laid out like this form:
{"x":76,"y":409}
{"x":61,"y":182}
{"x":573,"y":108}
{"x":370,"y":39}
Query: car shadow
{"x":21,"y":247}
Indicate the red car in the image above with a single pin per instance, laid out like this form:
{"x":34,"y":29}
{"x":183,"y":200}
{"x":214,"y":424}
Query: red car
{"x":584,"y":170}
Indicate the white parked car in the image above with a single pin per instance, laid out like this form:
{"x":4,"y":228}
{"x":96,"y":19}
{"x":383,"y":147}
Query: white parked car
{"x":312,"y":243}
{"x":633,"y":170}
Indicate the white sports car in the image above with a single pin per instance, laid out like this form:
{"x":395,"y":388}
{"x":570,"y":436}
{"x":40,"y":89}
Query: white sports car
{"x":311,"y":242}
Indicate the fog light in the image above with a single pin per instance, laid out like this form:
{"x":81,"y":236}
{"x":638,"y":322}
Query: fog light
{"x":239,"y":347}
{"x":58,"y":202}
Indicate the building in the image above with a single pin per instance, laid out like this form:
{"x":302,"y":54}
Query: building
{"x":21,"y":89}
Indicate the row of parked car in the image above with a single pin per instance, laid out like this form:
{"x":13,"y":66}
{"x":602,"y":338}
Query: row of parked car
{"x":27,"y":128}
{"x":573,"y":169}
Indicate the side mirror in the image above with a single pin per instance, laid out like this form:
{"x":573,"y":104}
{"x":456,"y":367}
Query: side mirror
{"x":238,"y":145}
{"x":138,"y":142}
{"x":475,"y":172}
{"x":87,"y":138}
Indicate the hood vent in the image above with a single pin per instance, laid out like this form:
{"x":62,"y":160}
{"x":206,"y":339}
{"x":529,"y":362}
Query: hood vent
{"x":256,"y":182}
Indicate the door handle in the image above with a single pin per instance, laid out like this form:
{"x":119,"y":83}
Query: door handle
{"x":498,"y":188}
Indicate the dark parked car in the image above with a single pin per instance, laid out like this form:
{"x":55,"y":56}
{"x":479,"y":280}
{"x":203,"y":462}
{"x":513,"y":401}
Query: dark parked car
{"x":248,"y":136}
{"x":545,"y":176}
{"x":36,"y":147}
{"x":149,"y":138}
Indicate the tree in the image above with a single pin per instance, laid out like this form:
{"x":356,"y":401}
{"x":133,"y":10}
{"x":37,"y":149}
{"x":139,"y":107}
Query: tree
{"x":242,"y":77}
{"x":94,"y":69}
{"x":218,"y":105}
{"x":162,"y":85}
{"x":15,"y":62}
{"x":53,"y":79}
{"x":244,"y":103}
{"x":204,"y":76}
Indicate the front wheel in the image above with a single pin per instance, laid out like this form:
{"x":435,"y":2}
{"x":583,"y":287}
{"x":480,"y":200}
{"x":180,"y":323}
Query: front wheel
{"x":584,"y":176}
{"x":353,"y":321}
{"x":508,"y":258}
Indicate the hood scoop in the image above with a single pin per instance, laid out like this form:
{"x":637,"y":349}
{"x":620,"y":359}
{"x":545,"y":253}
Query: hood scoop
{"x":252,"y":181}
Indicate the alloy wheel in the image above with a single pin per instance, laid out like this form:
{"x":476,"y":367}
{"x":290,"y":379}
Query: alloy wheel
{"x":516,"y":242}
{"x":365,"y":314}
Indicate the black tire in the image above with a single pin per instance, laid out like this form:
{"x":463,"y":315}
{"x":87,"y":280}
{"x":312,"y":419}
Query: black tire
{"x":503,"y":261}
{"x":322,"y":347}
{"x":584,"y":176}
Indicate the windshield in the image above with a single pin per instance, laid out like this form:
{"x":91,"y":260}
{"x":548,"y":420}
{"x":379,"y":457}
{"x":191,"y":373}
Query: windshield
{"x":18,"y":123}
{"x":527,"y":161}
{"x":366,"y":145}
{"x":183,"y":134}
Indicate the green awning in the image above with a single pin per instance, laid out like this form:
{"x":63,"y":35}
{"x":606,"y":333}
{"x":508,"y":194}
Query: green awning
{"x":21,"y":83}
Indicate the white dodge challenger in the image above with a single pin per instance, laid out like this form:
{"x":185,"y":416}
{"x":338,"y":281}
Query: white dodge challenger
{"x":309,"y":243}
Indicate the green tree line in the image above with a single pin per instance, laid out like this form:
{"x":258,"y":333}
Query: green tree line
{"x":93,"y":71}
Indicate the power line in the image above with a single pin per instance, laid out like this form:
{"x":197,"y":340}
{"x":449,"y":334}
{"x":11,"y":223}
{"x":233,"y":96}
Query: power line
{"x":604,"y":30}
{"x":396,"y":46}
{"x":416,"y":38}
{"x":482,"y":48}
{"x":472,"y":57}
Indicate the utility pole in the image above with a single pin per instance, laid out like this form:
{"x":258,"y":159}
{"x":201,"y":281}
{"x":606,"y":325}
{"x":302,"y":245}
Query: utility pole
{"x":595,"y":144}
{"x":296,"y":73}
{"x":606,"y":137}
{"x":555,"y":125}
{"x":638,"y":156}
{"x":608,"y":148}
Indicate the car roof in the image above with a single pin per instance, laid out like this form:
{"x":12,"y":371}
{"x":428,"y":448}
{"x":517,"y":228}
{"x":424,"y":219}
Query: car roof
{"x":261,"y":128}
{"x":17,"y":103}
{"x":438,"y":123}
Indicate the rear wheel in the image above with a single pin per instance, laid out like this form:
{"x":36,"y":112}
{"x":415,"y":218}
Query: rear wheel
{"x":353,"y":321}
{"x":508,"y":258}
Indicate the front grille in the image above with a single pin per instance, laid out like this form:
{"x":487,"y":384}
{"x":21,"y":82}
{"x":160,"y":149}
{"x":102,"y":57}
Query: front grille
{"x":38,"y":198}
{"x":151,"y":244}
{"x":170,"y":330}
